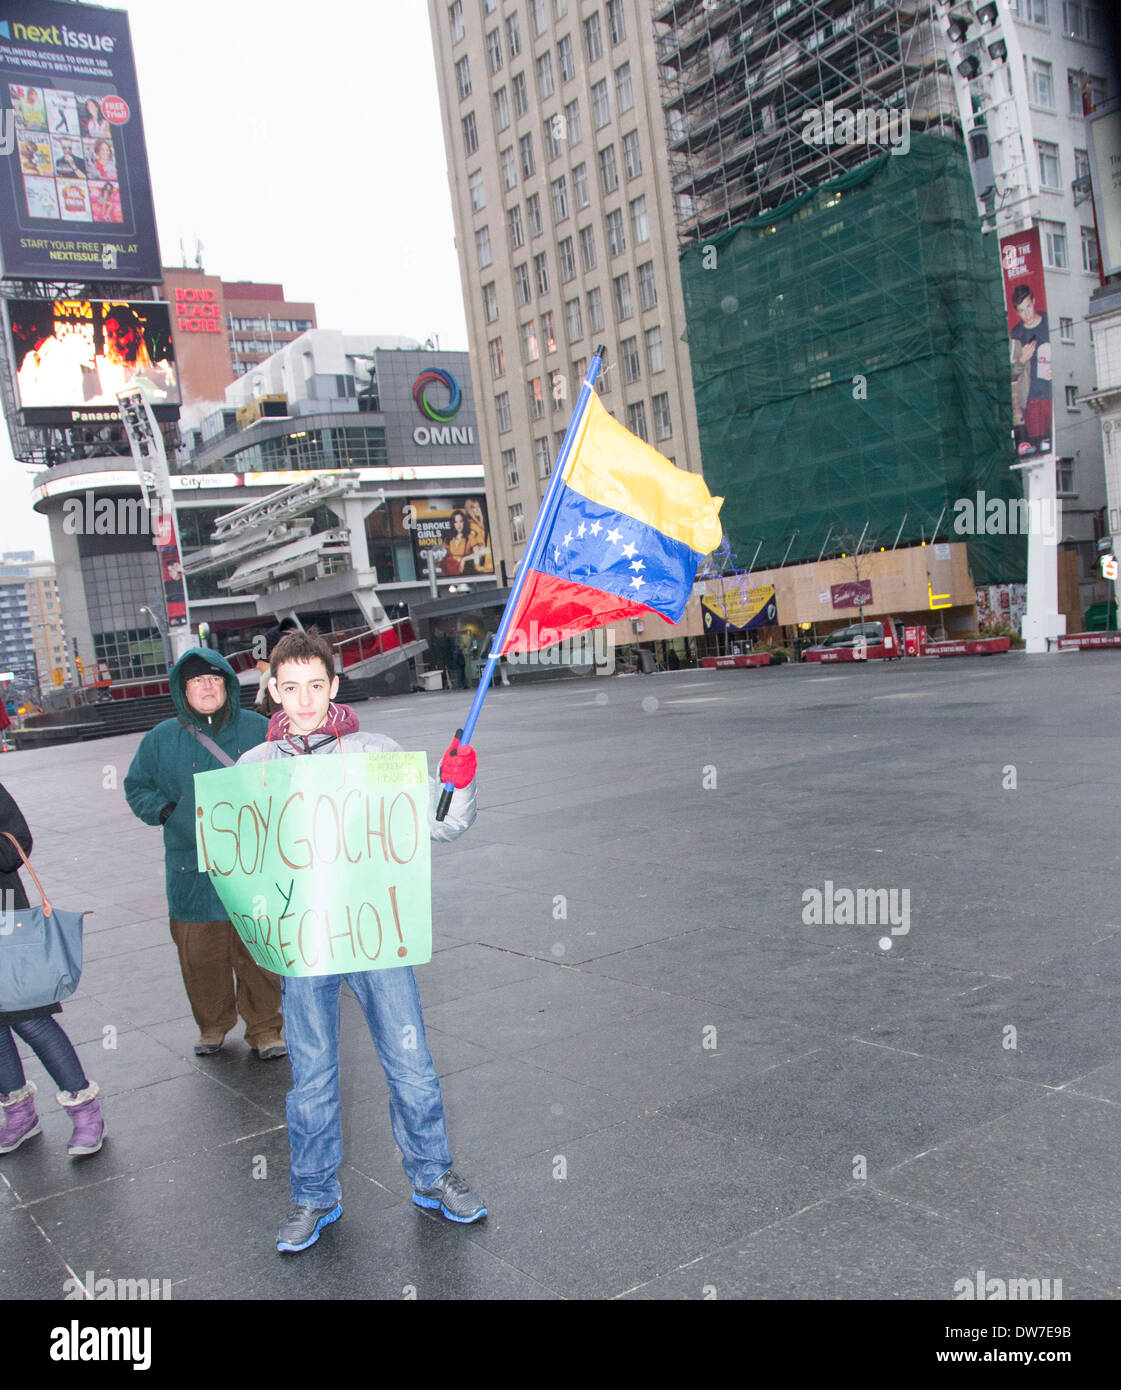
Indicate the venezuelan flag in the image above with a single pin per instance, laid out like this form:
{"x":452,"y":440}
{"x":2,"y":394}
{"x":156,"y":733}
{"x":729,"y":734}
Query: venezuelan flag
{"x":627,"y":534}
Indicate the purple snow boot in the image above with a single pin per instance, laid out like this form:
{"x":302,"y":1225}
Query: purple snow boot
{"x":20,"y":1120}
{"x":85,"y":1113}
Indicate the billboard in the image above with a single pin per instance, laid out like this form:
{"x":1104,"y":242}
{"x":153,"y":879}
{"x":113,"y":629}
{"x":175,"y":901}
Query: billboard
{"x":737,"y":608}
{"x":1103,"y":136}
{"x":455,"y":531}
{"x":72,"y":356}
{"x":75,"y":198}
{"x":1025,"y":300}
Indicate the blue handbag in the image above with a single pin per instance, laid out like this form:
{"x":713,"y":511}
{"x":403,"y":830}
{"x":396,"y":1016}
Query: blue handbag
{"x":40,"y":951}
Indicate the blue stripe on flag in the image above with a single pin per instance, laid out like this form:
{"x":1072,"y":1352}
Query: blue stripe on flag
{"x":604,"y":549}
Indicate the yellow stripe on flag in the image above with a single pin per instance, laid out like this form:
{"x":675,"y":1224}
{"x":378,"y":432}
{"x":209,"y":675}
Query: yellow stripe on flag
{"x":615,"y":468}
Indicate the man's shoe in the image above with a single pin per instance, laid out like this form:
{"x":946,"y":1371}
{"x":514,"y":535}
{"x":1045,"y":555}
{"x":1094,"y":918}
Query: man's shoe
{"x":303,"y":1225}
{"x":270,"y":1049}
{"x":451,"y":1195}
{"x":209,"y":1043}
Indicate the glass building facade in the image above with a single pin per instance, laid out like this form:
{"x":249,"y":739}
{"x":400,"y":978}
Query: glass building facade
{"x":345,"y":446}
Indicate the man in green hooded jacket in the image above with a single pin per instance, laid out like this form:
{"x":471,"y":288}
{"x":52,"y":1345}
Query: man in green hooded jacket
{"x":221,"y":978}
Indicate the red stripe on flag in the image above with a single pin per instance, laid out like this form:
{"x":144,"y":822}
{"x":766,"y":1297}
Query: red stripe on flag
{"x":551,"y":609}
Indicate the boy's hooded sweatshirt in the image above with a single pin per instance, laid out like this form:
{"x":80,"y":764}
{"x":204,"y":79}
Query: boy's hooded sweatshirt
{"x":340,"y":733}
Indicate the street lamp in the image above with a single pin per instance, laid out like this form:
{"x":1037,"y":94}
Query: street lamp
{"x":163,"y":634}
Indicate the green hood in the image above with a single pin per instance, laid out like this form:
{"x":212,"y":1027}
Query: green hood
{"x":224,"y":669}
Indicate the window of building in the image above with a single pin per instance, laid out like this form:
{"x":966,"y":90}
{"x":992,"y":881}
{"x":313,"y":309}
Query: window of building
{"x":601,"y":104}
{"x":632,"y":155}
{"x":1071,"y":397}
{"x":1049,"y":174}
{"x":545,"y":86}
{"x":536,"y":399}
{"x":470,"y":134}
{"x":541,"y":454}
{"x":501,"y":109}
{"x":510,"y":466}
{"x":624,"y":90}
{"x":540,"y":18}
{"x":509,"y":168}
{"x":663,"y":428}
{"x":655,"y":360}
{"x":497,"y":358}
{"x":1042,"y":84}
{"x":572,"y":120}
{"x":517,"y":520}
{"x":548,"y":331}
{"x":616,"y":21}
{"x":513,"y":35}
{"x":477,"y":191}
{"x":1095,"y":90}
{"x":455,"y":20}
{"x":636,"y":419}
{"x":489,"y":7}
{"x":1054,"y":236}
{"x":1082,"y":21}
{"x":1064,"y":475}
{"x":525,"y":151}
{"x":559,"y":189}
{"x":580,"y":186}
{"x":595,"y":311}
{"x":553,"y":128}
{"x":647,"y":286}
{"x":463,"y":78}
{"x":522,"y":292}
{"x":521,"y":96}
{"x":502,"y":410}
{"x":1066,"y":330}
{"x":560,"y":8}
{"x":616,"y":235}
{"x":566,"y":259}
{"x":574,"y":320}
{"x":632,"y":366}
{"x":1032,"y":11}
{"x":533,"y":214}
{"x":566,"y":61}
{"x":482,"y":247}
{"x":490,"y":302}
{"x":541,"y":271}
{"x":531,"y":350}
{"x":593,"y":37}
{"x":624,"y":305}
{"x":1089,"y":250}
{"x":494,"y":51}
{"x":640,"y":223}
{"x":514,"y":228}
{"x":588,"y":247}
{"x":608,"y":170}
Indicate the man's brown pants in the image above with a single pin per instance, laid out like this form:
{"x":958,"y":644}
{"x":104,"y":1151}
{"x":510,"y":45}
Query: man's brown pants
{"x":223,"y":980}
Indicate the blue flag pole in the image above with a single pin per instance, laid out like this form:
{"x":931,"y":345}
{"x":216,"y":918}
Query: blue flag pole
{"x":538,"y":537}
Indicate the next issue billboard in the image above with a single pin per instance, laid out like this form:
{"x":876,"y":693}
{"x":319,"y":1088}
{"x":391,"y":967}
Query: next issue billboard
{"x":454,"y":531}
{"x":72,"y":356}
{"x":75,"y":198}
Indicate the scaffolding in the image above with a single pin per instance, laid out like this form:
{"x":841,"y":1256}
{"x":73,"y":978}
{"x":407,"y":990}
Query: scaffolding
{"x":740,"y":78}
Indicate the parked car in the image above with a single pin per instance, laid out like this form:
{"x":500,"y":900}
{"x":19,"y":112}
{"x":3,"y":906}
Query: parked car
{"x":880,"y":639}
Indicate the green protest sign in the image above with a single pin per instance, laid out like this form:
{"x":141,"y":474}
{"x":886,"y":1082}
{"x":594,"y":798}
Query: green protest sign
{"x":324,"y":864}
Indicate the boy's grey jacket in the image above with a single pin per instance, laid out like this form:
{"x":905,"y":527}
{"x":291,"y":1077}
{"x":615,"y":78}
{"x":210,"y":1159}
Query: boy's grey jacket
{"x":461,"y":812}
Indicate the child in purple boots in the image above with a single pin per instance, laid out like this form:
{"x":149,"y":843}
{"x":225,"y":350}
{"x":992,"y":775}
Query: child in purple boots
{"x":77,"y":1094}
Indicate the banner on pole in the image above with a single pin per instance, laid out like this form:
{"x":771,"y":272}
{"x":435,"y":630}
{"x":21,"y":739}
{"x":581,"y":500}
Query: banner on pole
{"x":323,"y":863}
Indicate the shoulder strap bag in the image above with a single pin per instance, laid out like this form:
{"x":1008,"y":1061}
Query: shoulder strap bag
{"x":40,"y":951}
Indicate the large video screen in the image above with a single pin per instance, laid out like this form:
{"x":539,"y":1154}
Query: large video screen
{"x":75,"y":198}
{"x":72,"y":356}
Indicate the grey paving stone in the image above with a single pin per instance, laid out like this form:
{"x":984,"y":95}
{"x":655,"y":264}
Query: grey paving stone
{"x":863,"y":1245}
{"x":1058,"y":1034}
{"x":1048,"y":1169}
{"x":847,"y":1099}
{"x":1103,"y":1083}
{"x":30,"y":1266}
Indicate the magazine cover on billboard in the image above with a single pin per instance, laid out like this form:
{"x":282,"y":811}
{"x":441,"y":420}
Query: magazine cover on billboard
{"x":75,"y":197}
{"x":456,"y":532}
{"x":72,"y":356}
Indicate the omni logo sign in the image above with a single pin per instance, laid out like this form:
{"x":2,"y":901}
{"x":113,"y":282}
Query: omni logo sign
{"x":441,"y":431}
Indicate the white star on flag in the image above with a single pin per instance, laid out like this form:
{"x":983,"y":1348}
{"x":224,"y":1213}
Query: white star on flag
{"x":580,"y":530}
{"x":637,"y":565}
{"x":614,"y":536}
{"x":628,"y":550}
{"x":568,"y":540}
{"x":595,"y":528}
{"x":637,"y":583}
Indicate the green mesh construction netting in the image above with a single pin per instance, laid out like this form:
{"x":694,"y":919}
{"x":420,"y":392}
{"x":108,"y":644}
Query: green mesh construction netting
{"x":850,"y":364}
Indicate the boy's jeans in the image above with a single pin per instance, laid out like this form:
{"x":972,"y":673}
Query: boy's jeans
{"x":391,"y":1004}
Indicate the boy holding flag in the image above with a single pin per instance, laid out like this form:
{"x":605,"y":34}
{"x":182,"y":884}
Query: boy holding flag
{"x":304,"y":683}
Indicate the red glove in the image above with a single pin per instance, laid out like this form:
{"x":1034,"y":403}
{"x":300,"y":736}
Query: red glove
{"x":458,"y":765}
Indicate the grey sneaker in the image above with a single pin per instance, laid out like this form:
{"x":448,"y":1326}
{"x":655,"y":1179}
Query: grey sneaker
{"x":451,"y":1195}
{"x":303,"y":1225}
{"x":209,"y":1043}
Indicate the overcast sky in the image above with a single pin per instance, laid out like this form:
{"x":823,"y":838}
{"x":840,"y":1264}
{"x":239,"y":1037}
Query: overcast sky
{"x":300,"y":143}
